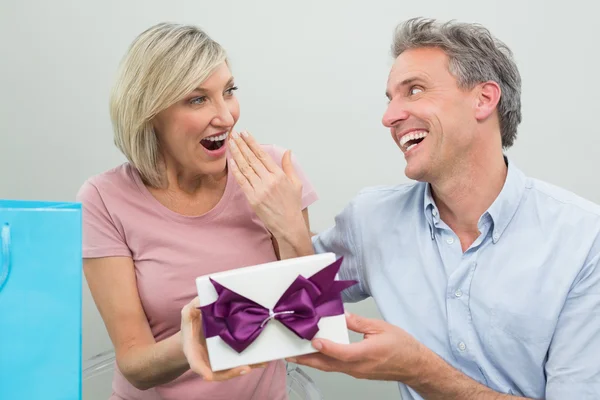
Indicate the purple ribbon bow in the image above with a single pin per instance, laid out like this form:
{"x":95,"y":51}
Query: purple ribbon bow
{"x":239,"y":320}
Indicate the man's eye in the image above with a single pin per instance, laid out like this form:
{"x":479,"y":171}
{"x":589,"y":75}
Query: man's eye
{"x":415,"y":90}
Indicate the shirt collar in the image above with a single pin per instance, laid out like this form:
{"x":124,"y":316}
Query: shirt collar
{"x":432,"y":214}
{"x":502,"y":209}
{"x":505,"y":206}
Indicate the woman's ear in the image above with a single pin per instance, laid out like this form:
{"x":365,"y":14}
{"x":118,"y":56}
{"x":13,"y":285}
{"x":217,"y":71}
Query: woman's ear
{"x":488,"y":96}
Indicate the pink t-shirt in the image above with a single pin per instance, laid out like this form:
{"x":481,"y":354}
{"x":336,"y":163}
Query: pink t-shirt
{"x":169,"y":250}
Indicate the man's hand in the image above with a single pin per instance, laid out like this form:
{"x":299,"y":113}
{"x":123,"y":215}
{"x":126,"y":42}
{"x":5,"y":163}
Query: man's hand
{"x":386,"y":353}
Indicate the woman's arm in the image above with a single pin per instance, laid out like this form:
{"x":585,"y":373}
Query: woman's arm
{"x":274,"y":193}
{"x":144,"y":362}
{"x":297,"y":244}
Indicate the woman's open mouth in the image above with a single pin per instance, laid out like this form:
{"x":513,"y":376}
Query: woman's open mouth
{"x":215,"y":142}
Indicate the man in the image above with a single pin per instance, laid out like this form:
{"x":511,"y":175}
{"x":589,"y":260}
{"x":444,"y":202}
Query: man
{"x":489,"y":281}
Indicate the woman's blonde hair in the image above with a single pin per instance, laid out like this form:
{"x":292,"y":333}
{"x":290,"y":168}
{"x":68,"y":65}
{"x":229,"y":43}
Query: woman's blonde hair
{"x":163,"y":64}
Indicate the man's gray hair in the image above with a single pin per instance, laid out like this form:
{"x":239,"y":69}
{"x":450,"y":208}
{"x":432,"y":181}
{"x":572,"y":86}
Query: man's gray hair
{"x":475,"y":56}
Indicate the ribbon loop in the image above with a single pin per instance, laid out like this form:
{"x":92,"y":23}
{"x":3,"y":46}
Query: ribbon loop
{"x":273,"y":314}
{"x":238,"y":320}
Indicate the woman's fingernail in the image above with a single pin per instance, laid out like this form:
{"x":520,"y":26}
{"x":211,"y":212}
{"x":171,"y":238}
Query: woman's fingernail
{"x":317,"y":345}
{"x":291,"y":359}
{"x":235,"y":135}
{"x":232,"y":144}
{"x":245,"y":133}
{"x":243,"y":372}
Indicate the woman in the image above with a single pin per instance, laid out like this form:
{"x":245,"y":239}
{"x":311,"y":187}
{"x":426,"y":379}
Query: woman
{"x":174,"y":212}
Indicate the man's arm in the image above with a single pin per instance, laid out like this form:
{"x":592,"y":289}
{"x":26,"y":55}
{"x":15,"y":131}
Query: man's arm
{"x":573,"y":366}
{"x":438,"y":380}
{"x":389,"y":353}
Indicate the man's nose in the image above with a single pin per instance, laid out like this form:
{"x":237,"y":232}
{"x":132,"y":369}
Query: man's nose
{"x":395,"y":112}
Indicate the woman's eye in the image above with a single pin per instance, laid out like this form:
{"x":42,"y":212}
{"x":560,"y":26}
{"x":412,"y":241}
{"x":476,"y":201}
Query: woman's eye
{"x":415,"y":90}
{"x":198,"y":100}
{"x":231,"y":90}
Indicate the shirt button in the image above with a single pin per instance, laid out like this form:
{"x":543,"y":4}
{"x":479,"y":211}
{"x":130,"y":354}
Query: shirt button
{"x":450,"y":240}
{"x":462,"y":346}
{"x":434,"y":212}
{"x":458,"y":293}
{"x":496,"y":236}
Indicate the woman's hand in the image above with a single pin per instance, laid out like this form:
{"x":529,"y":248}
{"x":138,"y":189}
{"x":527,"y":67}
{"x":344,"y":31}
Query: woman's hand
{"x":194,"y":346}
{"x":274,"y":193}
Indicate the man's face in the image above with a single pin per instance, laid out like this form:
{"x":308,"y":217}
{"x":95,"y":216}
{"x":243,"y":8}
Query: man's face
{"x":431,"y":119}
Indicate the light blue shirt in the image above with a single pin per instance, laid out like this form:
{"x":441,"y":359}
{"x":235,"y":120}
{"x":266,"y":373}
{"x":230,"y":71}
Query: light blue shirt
{"x":519,"y":311}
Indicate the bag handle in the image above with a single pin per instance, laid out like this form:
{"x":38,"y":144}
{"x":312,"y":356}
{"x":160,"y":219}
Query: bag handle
{"x":5,"y":261}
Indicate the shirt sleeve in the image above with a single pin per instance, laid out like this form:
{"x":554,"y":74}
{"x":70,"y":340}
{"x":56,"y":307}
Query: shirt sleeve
{"x":101,"y":237}
{"x":341,"y":239}
{"x":309,"y":194}
{"x":573,"y":366}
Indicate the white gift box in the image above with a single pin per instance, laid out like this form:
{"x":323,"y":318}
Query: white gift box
{"x":265,"y":284}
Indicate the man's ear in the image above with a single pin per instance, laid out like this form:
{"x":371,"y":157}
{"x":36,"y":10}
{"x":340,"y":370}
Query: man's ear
{"x":487,"y":98}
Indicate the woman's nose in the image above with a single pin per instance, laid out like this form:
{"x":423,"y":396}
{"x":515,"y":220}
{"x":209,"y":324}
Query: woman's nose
{"x":224,"y":115}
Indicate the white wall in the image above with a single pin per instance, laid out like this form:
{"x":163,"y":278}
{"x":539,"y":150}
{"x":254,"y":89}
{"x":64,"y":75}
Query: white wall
{"x":312,"y":78}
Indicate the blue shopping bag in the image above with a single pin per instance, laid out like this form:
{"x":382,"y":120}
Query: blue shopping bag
{"x":40,"y":300}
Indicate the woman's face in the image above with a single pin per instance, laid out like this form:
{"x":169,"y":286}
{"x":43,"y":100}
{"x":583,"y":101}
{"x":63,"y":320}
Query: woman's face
{"x":192,"y":133}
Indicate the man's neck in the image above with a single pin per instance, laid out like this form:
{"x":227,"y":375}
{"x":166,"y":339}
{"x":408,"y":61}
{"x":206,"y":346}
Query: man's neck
{"x":463,"y":197}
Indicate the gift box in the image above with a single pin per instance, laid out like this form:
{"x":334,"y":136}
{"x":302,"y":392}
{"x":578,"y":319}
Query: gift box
{"x":272,"y":311}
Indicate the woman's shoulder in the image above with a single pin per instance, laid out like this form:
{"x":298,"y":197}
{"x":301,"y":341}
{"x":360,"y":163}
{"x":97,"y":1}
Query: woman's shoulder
{"x":115,"y":181}
{"x":276,"y":152}
{"x":273,"y":150}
